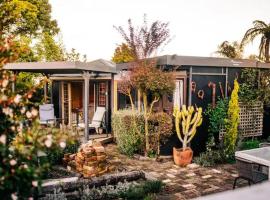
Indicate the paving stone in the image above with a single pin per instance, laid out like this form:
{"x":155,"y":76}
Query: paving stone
{"x":216,"y":171}
{"x":234,"y":175}
{"x":174,"y":171}
{"x":206,"y":176}
{"x":179,"y":196}
{"x":171,"y":175}
{"x":190,"y":174}
{"x":193,"y":166}
{"x":167,"y":181}
{"x":189,"y":186}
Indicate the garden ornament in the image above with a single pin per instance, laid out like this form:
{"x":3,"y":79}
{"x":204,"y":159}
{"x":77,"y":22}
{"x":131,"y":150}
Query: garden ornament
{"x":221,"y":90}
{"x":193,"y":86}
{"x":201,"y":94}
{"x":213,"y":86}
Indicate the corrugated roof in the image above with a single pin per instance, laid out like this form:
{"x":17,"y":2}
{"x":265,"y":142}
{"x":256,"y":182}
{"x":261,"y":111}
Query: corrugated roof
{"x":176,"y":60}
{"x":64,"y":67}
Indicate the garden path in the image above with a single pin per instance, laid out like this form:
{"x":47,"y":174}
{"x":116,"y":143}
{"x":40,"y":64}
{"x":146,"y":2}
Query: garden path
{"x":181,"y":183}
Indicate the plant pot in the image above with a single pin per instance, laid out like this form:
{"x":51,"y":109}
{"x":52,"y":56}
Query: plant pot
{"x":182,"y":158}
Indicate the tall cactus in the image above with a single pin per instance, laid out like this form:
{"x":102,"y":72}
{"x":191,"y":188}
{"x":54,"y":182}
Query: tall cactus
{"x":189,"y":119}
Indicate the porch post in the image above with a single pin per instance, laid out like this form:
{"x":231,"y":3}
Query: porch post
{"x":45,"y":92}
{"x":86,"y":77}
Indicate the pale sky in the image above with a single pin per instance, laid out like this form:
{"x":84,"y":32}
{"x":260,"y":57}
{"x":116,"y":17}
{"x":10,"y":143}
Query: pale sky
{"x":198,"y":26}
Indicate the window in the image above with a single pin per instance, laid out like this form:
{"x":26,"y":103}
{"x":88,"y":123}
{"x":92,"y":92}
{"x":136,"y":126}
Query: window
{"x":102,"y":94}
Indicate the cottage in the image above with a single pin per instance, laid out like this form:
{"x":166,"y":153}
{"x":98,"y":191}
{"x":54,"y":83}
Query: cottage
{"x":79,"y":88}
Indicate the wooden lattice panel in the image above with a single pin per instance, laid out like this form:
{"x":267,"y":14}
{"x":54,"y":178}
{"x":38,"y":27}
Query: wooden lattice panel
{"x":251,"y":121}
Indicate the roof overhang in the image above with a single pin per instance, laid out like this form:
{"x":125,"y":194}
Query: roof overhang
{"x":175,"y":60}
{"x":63,"y":67}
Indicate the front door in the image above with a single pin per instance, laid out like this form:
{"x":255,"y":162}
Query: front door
{"x":66,"y":102}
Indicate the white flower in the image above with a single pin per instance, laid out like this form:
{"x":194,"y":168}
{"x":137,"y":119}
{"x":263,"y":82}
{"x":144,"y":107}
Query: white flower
{"x":17,"y":98}
{"x":28,"y":114}
{"x":8,"y":111}
{"x":3,"y":139}
{"x":68,"y":168}
{"x":25,"y":166}
{"x":13,"y":162}
{"x":48,"y":143}
{"x":23,"y":109}
{"x":34,"y":112}
{"x":5,"y":83}
{"x":12,"y":128}
{"x":14,"y":196}
{"x":62,"y":144}
{"x":35,"y":183}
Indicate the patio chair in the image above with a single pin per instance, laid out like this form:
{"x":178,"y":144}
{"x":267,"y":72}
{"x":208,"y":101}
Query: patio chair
{"x":46,"y":115}
{"x":249,"y":171}
{"x":97,"y":121}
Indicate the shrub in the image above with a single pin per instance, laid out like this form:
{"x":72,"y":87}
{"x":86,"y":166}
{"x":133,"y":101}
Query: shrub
{"x":128,"y":131}
{"x":216,"y":117}
{"x":160,"y":128}
{"x":232,"y":121}
{"x":56,"y":157}
{"x":249,"y":144}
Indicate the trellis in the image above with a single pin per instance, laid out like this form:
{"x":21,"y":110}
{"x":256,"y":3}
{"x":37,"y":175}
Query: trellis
{"x":251,"y":120}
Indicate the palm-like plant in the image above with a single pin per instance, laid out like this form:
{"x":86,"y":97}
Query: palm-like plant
{"x":229,"y":50}
{"x":262,"y":29}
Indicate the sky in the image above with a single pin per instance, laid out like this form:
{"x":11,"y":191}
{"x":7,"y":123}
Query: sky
{"x":197,"y":26}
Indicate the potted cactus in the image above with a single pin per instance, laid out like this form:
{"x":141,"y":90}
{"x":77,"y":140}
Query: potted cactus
{"x":186,"y":122}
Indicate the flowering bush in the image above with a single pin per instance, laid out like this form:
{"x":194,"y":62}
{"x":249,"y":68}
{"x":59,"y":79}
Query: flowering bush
{"x":21,"y":138}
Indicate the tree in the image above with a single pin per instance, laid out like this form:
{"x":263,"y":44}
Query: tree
{"x":20,"y":136}
{"x":145,"y":41}
{"x":230,"y":50}
{"x":153,"y":83}
{"x":48,"y":49}
{"x":73,"y":55}
{"x":26,"y":17}
{"x":261,"y":29}
{"x":122,"y":54}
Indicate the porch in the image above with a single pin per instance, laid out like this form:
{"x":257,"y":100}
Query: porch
{"x":77,"y":89}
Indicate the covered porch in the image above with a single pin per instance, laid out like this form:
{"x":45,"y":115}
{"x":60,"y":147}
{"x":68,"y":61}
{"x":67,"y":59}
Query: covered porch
{"x":77,"y":90}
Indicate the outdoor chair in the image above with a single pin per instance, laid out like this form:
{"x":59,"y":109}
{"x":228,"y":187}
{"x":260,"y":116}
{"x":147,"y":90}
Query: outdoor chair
{"x":97,"y":121}
{"x":249,"y":171}
{"x":46,"y":115}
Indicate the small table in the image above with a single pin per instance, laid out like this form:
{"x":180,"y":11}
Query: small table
{"x":259,"y":156}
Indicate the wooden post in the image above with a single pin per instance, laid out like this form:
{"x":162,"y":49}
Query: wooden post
{"x":86,"y":77}
{"x":115,"y":96}
{"x":45,"y":92}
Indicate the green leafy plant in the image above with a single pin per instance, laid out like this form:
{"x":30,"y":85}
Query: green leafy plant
{"x":249,"y":144}
{"x":128,"y":134}
{"x":216,"y":117}
{"x":232,"y":121}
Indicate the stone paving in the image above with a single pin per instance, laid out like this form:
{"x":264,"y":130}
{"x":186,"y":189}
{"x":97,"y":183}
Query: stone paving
{"x":181,"y":183}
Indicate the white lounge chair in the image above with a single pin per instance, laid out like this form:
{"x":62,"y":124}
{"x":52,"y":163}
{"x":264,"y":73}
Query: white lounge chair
{"x":46,"y":114}
{"x":97,"y":120}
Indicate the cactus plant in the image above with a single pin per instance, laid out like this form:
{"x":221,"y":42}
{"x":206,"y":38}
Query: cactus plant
{"x":189,"y":119}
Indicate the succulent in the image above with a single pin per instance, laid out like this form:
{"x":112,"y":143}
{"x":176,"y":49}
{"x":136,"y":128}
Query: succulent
{"x":189,"y":119}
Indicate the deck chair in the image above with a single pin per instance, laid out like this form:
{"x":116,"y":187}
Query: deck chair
{"x":98,"y":119}
{"x":46,"y":115}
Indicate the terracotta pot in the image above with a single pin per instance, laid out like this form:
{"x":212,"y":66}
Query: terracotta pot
{"x":182,"y":158}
